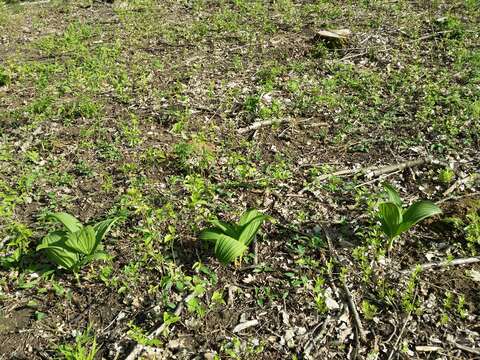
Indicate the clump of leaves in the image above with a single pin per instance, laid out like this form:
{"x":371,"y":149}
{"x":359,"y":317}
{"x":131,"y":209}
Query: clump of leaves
{"x":232,"y":240}
{"x":396,"y":219}
{"x":472,"y":230}
{"x":4,"y":79}
{"x":75,"y":245}
{"x":446,"y":175}
{"x":85,"y":347}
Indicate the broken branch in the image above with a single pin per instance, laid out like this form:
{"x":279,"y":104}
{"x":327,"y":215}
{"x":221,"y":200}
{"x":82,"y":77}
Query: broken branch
{"x":374,"y":171}
{"x":430,"y":265}
{"x":348,"y":295}
{"x":258,"y":124}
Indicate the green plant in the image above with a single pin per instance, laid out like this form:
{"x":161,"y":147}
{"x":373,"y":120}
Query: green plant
{"x":76,"y":245}
{"x":369,"y":310}
{"x":395,"y":219}
{"x":3,"y":77}
{"x":232,"y":240}
{"x":472,"y":230}
{"x":85,"y":347}
{"x":446,"y":175}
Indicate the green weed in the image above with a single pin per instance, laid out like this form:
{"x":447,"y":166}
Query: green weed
{"x":396,"y":220}
{"x":232,"y":240}
{"x":76,"y":245}
{"x":85,"y":347}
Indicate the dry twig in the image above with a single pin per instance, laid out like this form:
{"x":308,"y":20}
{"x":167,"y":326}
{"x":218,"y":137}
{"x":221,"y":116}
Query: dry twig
{"x":462,"y":181}
{"x":374,"y":171}
{"x":351,"y":303}
{"x":258,"y":124}
{"x":464,"y":347}
{"x":430,"y":265}
{"x":309,"y":345}
{"x":399,"y":337}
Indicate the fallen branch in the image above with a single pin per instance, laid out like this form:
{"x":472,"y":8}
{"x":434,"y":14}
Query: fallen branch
{"x":430,"y":265}
{"x":350,"y":302}
{"x":427,"y":348}
{"x":138,"y":349}
{"x":353,"y":309}
{"x":457,"y":197}
{"x":41,"y":2}
{"x":462,"y":181}
{"x":258,"y":124}
{"x":375,"y":171}
{"x":312,"y":342}
{"x":464,"y":348}
{"x":245,"y":325}
{"x":399,"y":337}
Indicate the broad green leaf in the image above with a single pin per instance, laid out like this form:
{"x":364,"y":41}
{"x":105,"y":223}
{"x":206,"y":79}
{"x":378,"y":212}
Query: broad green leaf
{"x":250,"y":229}
{"x":52,"y":239}
{"x":228,"y":249}
{"x":212,"y":234}
{"x":62,"y":257}
{"x":248,"y":216}
{"x":393,"y":195}
{"x":83,"y":241}
{"x":69,"y":221}
{"x":390,"y":217}
{"x":103,"y":227}
{"x":418,"y":212}
{"x":226,"y":228}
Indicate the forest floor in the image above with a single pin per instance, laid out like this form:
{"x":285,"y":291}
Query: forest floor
{"x":144,"y":109}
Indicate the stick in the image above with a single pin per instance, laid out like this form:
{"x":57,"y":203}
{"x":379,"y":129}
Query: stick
{"x":245,"y":325}
{"x":427,"y":348}
{"x":323,"y":330}
{"x":258,"y":124}
{"x":138,"y":349}
{"x":399,"y":337}
{"x":348,"y":294}
{"x":457,"y":197}
{"x":356,"y":316}
{"x":35,"y":2}
{"x":430,"y":265}
{"x":464,"y":348}
{"x":428,"y":36}
{"x":390,"y":168}
{"x":373,"y":171}
{"x":461,"y":181}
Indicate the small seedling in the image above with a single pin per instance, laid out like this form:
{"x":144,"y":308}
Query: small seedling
{"x":396,"y":220}
{"x":76,"y":245}
{"x":85,"y":347}
{"x":232,"y":240}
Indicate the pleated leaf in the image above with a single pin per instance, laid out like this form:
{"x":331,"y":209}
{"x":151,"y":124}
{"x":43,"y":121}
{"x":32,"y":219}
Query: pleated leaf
{"x":391,"y":218}
{"x":83,"y":241}
{"x":212,"y":234}
{"x":226,"y":228}
{"x":103,"y":227}
{"x":393,"y":195}
{"x":228,"y":249}
{"x":250,"y":229}
{"x":418,"y":212}
{"x":70,"y":222}
{"x":54,"y":238}
{"x":61,"y":256}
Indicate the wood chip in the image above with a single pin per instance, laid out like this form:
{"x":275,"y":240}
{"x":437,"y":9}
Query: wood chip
{"x":427,"y":348}
{"x":245,"y":325}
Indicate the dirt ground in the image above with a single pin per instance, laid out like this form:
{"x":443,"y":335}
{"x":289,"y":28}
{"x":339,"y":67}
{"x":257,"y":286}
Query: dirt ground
{"x":170,"y":113}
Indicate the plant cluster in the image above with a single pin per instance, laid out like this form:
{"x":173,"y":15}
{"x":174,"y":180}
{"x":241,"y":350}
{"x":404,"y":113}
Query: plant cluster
{"x":75,"y":245}
{"x":396,"y":219}
{"x":232,"y":240}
